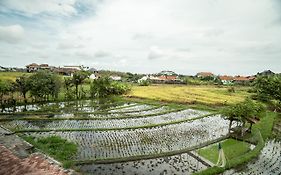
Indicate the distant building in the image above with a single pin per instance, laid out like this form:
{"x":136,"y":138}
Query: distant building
{"x":161,"y":79}
{"x":93,"y":70}
{"x":81,"y":67}
{"x":265,"y":73}
{"x":167,"y":72}
{"x":144,"y":78}
{"x":226,"y":80}
{"x":115,"y":78}
{"x":65,"y":71}
{"x":243,"y":80}
{"x":32,"y":67}
{"x":2,"y":69}
{"x":204,"y":74}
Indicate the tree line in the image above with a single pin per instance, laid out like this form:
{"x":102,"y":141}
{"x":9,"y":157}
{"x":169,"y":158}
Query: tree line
{"x":48,"y":86}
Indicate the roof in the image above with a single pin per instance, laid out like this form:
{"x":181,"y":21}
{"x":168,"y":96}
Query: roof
{"x":226,"y":77}
{"x":93,"y":70}
{"x":242,"y":78}
{"x":168,"y":77}
{"x":167,"y":72}
{"x":32,"y":65}
{"x":205,"y":74}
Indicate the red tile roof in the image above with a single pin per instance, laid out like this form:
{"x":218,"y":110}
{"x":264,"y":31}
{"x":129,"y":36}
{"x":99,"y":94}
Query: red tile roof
{"x":168,"y":77}
{"x":205,"y":74}
{"x":226,"y":77}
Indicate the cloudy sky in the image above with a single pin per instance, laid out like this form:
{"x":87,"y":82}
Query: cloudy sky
{"x":145,"y":36}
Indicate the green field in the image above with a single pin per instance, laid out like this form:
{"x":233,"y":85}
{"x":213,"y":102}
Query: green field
{"x":10,"y":75}
{"x":232,"y":148}
{"x":208,"y":95}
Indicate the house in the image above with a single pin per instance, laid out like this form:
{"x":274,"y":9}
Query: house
{"x":243,"y":80}
{"x":93,"y":70}
{"x":81,"y":67}
{"x":144,"y":78}
{"x":115,"y":78}
{"x":167,"y":79}
{"x":65,"y":71}
{"x":204,"y":74}
{"x":93,"y":76}
{"x":226,"y":80}
{"x":167,"y":72}
{"x":44,"y":67}
{"x":265,"y":73}
{"x":32,"y":67}
{"x":2,"y":69}
{"x":94,"y":73}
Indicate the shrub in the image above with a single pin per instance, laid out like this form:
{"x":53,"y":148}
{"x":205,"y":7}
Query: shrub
{"x":103,"y":87}
{"x":144,"y":83}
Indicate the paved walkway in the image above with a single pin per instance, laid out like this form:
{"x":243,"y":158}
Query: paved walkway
{"x":35,"y":164}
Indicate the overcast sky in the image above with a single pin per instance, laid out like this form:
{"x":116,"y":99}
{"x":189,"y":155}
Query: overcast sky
{"x":146,"y":36}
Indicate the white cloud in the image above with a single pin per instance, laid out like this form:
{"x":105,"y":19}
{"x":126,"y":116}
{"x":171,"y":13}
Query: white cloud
{"x":11,"y":34}
{"x":149,"y":35}
{"x":33,"y":7}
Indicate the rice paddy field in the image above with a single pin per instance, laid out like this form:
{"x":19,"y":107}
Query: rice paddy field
{"x":207,"y":95}
{"x":129,"y":136}
{"x":123,"y":137}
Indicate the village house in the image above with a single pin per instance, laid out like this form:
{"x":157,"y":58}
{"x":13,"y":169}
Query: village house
{"x":33,"y":67}
{"x":115,"y":78}
{"x":226,"y":80}
{"x":204,"y":74}
{"x":265,"y":73}
{"x":164,"y":77}
{"x":242,"y":80}
{"x":80,"y":67}
{"x":65,"y":71}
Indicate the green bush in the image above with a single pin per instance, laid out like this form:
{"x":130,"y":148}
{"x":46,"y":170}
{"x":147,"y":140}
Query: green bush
{"x":144,"y":83}
{"x":103,"y":87}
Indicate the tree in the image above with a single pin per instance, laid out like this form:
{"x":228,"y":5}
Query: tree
{"x":103,"y":87}
{"x":22,"y":85}
{"x":68,"y":87}
{"x":78,"y":78}
{"x":44,"y":84}
{"x":242,"y":112}
{"x":5,"y":88}
{"x":268,"y":87}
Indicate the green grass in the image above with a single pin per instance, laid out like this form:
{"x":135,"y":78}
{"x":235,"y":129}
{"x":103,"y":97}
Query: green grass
{"x":207,"y":94}
{"x":232,"y":148}
{"x":55,"y":147}
{"x":265,"y":124}
{"x":11,"y":75}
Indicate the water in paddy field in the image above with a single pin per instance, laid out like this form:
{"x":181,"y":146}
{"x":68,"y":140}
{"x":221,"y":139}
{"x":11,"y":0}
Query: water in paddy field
{"x":68,"y":106}
{"x":179,"y":164}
